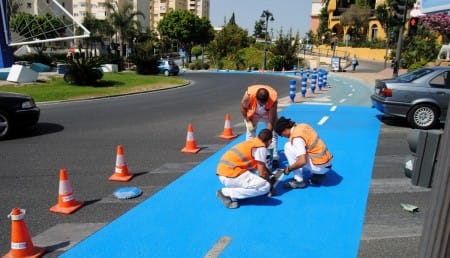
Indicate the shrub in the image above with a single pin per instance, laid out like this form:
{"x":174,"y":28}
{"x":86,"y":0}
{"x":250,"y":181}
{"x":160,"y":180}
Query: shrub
{"x":145,"y":64}
{"x":83,"y":71}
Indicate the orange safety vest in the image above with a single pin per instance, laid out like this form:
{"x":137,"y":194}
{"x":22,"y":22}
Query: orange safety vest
{"x":239,"y":159}
{"x":251,"y":91}
{"x":315,"y":147}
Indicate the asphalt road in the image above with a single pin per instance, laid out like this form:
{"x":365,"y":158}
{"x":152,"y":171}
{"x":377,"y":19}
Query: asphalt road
{"x":82,"y":137}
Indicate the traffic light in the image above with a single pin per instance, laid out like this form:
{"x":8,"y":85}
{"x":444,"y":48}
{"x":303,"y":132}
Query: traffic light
{"x":412,"y":28}
{"x":400,"y":9}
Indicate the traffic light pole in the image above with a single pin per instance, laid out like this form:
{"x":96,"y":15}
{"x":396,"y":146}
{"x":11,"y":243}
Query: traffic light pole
{"x":396,"y":65}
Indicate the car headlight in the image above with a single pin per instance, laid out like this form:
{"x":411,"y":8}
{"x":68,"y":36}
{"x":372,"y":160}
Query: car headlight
{"x":28,"y":104}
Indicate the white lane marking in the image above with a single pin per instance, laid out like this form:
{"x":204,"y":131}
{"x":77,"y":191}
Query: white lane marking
{"x":315,"y":103}
{"x":217,"y":249}
{"x":333,"y":108}
{"x":351,"y":94}
{"x":342,"y":100}
{"x":323,"y":120}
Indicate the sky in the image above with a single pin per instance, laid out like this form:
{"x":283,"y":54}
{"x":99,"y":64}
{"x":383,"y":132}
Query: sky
{"x":288,"y":14}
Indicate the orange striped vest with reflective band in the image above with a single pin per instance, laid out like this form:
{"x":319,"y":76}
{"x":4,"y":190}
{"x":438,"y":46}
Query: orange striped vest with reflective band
{"x":251,"y":91}
{"x":239,"y":159}
{"x":315,"y":147}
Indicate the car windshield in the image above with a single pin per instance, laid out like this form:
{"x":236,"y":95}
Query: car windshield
{"x":409,"y":77}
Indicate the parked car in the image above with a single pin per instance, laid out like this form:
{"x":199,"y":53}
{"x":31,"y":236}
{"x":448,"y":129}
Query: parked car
{"x":17,"y":111}
{"x":421,"y":96}
{"x":168,"y":67}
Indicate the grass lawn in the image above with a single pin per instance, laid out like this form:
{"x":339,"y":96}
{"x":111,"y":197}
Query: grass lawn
{"x":111,"y":84}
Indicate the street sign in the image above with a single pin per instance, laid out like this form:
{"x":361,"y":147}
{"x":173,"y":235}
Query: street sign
{"x":431,"y":6}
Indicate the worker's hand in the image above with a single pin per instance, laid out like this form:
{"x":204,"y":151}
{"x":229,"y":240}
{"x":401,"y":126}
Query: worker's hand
{"x":286,"y":170}
{"x":250,"y":125}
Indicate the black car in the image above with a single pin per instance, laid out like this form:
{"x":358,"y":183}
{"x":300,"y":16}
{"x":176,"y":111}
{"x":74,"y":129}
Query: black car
{"x":17,"y":111}
{"x":421,"y":96}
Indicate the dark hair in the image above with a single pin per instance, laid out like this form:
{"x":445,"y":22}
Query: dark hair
{"x":265,"y":135}
{"x":282,"y":123}
{"x":262,"y":95}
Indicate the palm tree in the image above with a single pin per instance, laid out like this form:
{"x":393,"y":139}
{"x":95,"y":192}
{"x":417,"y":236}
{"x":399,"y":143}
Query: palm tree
{"x":123,"y":21}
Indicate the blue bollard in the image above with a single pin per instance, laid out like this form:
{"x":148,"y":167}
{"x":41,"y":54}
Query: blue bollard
{"x":324,"y":78}
{"x":320,"y":80}
{"x":292,"y":90}
{"x":313,"y":82}
{"x":304,"y":85}
{"x":307,"y":71}
{"x":301,"y":72}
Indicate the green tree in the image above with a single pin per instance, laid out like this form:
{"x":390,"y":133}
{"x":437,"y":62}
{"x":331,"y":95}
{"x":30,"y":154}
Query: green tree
{"x":420,"y":49}
{"x":287,"y":47}
{"x":123,"y":20}
{"x":186,"y":28}
{"x":99,"y":29}
{"x":323,"y":30}
{"x":259,"y":29}
{"x":41,"y":27}
{"x":228,"y":41}
{"x":357,"y":19}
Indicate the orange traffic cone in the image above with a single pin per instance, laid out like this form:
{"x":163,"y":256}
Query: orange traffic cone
{"x":121,"y":172}
{"x":21,"y":244}
{"x":227,"y":131}
{"x":66,"y":201}
{"x":191,"y":146}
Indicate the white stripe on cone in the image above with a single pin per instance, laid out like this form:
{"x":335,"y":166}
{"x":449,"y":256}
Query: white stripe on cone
{"x":190,"y":136}
{"x":65,"y":187}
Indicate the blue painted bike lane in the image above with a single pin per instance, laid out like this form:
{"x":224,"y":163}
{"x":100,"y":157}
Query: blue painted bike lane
{"x":185,"y":219}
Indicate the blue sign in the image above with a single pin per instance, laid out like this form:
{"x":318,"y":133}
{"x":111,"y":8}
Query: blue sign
{"x":431,"y":6}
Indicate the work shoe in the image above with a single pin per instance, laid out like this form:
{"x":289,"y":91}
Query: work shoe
{"x":227,"y":200}
{"x":316,"y":179}
{"x":294,"y":184}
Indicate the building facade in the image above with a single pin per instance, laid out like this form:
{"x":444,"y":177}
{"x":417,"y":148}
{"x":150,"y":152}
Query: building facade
{"x":336,"y":8}
{"x":160,"y":8}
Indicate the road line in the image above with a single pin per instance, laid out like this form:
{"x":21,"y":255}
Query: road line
{"x":323,"y":120}
{"x":333,"y":108}
{"x":217,"y":249}
{"x":350,"y":94}
{"x":342,"y":100}
{"x":395,"y":185}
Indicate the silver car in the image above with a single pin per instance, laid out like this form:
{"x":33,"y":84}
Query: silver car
{"x":421,"y":96}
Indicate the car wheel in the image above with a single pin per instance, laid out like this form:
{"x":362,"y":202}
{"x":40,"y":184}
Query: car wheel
{"x":5,"y":125}
{"x":423,"y":116}
{"x":166,"y":72}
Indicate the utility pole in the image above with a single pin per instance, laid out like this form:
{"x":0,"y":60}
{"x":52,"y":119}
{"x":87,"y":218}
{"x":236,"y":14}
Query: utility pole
{"x":267,"y":16}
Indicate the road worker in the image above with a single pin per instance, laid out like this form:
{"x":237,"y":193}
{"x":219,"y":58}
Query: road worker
{"x":304,"y":150}
{"x":259,"y":104}
{"x":243,"y":172}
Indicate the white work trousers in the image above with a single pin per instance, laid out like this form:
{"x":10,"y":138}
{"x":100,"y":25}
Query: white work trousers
{"x":298,"y":173}
{"x":244,"y":186}
{"x":251,"y":133}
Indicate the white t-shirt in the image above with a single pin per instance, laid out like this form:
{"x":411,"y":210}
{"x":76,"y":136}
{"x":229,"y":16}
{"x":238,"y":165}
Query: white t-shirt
{"x":261,"y":111}
{"x":299,"y":146}
{"x":260,"y":154}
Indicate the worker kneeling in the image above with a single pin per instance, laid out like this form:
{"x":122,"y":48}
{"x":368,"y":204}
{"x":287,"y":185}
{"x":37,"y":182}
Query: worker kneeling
{"x":304,"y":150}
{"x":243,"y":172}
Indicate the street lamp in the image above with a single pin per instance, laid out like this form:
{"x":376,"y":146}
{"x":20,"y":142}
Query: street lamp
{"x":267,"y":16}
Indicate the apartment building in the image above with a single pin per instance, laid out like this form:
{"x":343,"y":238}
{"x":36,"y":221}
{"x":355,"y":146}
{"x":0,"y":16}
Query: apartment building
{"x":98,"y":9}
{"x":39,"y":7}
{"x":159,"y":8}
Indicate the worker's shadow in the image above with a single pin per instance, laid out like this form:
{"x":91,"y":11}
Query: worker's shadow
{"x":332,"y":179}
{"x":262,"y":200}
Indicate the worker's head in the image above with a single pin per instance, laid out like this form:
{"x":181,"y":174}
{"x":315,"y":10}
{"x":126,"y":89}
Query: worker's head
{"x":265,"y":135}
{"x":262,"y":95}
{"x":283,"y":126}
